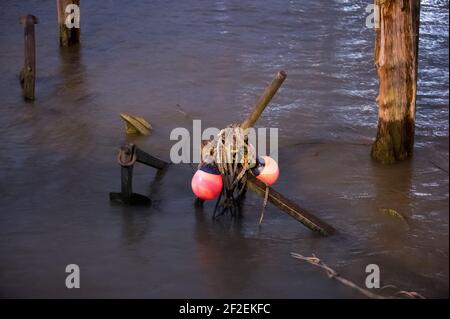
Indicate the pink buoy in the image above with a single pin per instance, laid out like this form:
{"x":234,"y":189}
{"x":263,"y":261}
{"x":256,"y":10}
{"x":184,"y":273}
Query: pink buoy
{"x":207,"y":182}
{"x":266,"y":170}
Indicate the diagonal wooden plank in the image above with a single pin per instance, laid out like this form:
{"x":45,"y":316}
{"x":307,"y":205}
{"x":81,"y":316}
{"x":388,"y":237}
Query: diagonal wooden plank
{"x":289,"y":207}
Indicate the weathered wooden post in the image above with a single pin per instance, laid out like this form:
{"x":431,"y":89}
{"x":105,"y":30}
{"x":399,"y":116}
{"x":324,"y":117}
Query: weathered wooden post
{"x":130,"y":154}
{"x":28,"y":72}
{"x":264,"y":100}
{"x":68,"y":22}
{"x":396,"y":56}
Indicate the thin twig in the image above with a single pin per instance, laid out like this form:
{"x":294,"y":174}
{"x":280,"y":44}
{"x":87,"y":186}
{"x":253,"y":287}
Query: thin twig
{"x":333,"y":274}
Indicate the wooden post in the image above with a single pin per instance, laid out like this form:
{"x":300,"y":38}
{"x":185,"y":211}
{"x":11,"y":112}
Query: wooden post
{"x":68,"y":22}
{"x":396,"y":56}
{"x":264,"y":100}
{"x":28,"y":73}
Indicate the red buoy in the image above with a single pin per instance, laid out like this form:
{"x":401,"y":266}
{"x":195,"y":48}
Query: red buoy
{"x":207,"y":182}
{"x":266,"y":170}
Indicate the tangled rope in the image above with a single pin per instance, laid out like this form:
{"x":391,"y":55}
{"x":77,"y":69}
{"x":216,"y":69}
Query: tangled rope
{"x":233,"y":156}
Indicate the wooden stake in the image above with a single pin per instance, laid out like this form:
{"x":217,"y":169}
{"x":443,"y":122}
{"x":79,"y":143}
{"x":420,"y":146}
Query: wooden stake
{"x":289,"y":207}
{"x":28,"y":73}
{"x":264,"y":100}
{"x":396,"y":56}
{"x":68,"y":36}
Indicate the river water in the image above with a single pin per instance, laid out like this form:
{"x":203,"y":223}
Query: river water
{"x":173,"y":62}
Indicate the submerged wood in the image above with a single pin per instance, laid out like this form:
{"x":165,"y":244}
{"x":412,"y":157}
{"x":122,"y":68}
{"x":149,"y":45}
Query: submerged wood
{"x":28,"y":73}
{"x":289,"y":207}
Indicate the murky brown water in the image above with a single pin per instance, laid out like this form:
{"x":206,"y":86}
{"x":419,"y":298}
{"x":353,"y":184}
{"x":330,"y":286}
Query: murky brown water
{"x":58,"y":154}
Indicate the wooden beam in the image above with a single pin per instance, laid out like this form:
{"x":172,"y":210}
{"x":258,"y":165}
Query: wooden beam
{"x":289,"y":207}
{"x":147,"y":159}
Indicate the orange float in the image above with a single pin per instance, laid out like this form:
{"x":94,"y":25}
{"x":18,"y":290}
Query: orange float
{"x":266,"y":170}
{"x":207,"y":182}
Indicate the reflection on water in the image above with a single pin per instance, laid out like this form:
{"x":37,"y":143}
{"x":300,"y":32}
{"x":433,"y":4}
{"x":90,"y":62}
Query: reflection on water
{"x":226,"y":269}
{"x":172,"y":62}
{"x":135,"y":224}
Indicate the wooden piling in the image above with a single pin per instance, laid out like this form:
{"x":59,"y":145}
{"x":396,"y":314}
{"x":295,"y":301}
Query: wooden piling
{"x":28,"y":73}
{"x":396,"y":61}
{"x":68,"y":36}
